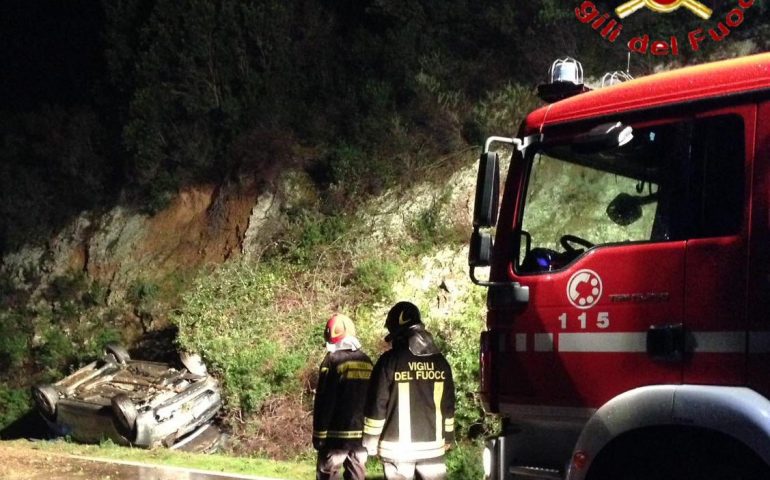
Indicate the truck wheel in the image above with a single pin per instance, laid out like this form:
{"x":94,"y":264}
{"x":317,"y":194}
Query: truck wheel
{"x":117,"y":351}
{"x":46,"y":397}
{"x":193,"y":363}
{"x":685,"y":454}
{"x":125,"y":412}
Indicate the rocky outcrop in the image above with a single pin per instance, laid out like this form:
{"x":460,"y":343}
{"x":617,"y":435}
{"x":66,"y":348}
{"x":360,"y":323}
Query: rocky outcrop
{"x":203,"y":224}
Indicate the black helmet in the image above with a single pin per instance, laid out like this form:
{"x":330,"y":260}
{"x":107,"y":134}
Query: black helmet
{"x":402,"y":316}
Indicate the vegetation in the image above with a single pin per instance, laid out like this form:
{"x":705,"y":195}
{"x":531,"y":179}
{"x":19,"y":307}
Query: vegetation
{"x":66,"y":325}
{"x":14,"y":403}
{"x":215,"y":463}
{"x":372,"y":101}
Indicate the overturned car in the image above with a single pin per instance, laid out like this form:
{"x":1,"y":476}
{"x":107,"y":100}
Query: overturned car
{"x":131,"y":402}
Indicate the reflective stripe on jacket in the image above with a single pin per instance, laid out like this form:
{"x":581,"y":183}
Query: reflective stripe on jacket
{"x":339,"y":400}
{"x":410,"y":406}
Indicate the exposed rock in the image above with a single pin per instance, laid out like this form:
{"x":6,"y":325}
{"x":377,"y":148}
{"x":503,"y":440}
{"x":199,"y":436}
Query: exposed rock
{"x":202,"y":225}
{"x":115,"y":238}
{"x":266,"y":209}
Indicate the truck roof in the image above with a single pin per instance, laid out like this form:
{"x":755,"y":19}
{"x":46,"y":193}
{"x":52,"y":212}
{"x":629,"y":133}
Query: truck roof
{"x":700,"y":82}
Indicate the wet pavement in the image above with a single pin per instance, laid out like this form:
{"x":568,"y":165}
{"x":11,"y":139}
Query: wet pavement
{"x":131,"y":470}
{"x":29,"y":464}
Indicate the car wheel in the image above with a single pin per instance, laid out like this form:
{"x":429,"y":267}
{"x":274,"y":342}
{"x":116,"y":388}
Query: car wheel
{"x":118,"y":351}
{"x":46,"y":397}
{"x":193,"y":363}
{"x":125,"y":411}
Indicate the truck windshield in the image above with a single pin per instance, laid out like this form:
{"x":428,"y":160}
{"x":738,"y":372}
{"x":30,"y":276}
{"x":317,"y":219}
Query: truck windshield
{"x":670,"y":182}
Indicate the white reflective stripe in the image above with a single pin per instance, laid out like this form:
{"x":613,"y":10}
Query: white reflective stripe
{"x":372,"y":426}
{"x":759,"y":342}
{"x":373,"y":422}
{"x":438,"y":392}
{"x":404,"y":413}
{"x":431,"y":470}
{"x":449,"y":425}
{"x":720,"y":342}
{"x":544,"y":342}
{"x":704,"y":342}
{"x":603,"y":342}
{"x":409,"y":451}
{"x":521,"y":342}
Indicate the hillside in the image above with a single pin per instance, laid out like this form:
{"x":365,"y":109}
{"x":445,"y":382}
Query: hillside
{"x":225,"y":175}
{"x":248,"y":279}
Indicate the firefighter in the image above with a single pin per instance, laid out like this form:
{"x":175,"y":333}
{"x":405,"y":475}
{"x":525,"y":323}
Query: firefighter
{"x":339,"y":403}
{"x":409,"y":411}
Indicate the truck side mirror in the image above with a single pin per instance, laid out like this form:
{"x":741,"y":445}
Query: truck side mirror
{"x":487,"y":191}
{"x":480,"y":251}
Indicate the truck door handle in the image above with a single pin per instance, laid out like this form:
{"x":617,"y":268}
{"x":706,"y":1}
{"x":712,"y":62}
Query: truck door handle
{"x":666,"y":343}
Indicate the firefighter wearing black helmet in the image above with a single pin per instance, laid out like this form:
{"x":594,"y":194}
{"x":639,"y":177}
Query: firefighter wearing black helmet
{"x":339,"y":402}
{"x":409,"y":410}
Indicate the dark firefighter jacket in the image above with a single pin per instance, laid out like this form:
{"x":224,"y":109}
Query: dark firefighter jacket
{"x":410,"y":404}
{"x":339,"y":400}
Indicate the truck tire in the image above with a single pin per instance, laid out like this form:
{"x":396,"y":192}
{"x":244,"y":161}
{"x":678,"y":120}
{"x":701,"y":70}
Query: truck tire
{"x":125,"y":413}
{"x":46,"y":397}
{"x":702,"y":470}
{"x":676,"y":454}
{"x":118,"y":351}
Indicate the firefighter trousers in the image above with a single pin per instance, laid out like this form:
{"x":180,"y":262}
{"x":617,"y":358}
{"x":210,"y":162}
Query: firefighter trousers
{"x":331,"y":461}
{"x":431,"y":469}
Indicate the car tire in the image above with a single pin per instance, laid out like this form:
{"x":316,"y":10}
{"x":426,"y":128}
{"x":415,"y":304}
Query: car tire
{"x":118,"y":351}
{"x":193,"y":363}
{"x":125,"y":412}
{"x":46,"y":397}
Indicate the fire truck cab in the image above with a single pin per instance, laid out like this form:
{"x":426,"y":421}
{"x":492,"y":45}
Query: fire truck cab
{"x":628,"y":323}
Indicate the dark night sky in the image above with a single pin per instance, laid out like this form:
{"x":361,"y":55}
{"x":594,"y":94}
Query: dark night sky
{"x":50,"y":50}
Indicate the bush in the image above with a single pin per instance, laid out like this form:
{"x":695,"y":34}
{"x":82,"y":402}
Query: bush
{"x":69,"y":325}
{"x":14,"y":342}
{"x":458,"y":336}
{"x":430,"y":228}
{"x":14,"y":403}
{"x":231,"y":316}
{"x":308,"y":234}
{"x":501,"y":111}
{"x":374,"y":277}
{"x":464,"y":461}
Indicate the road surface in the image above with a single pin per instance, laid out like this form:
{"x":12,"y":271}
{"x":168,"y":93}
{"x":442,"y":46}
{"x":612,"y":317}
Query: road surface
{"x":19,"y":463}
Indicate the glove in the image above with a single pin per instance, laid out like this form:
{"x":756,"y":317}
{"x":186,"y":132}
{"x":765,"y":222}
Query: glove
{"x":370,"y":444}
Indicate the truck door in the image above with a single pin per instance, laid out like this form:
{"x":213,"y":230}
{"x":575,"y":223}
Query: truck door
{"x":716,"y":261}
{"x":602,"y":255}
{"x":759,"y":259}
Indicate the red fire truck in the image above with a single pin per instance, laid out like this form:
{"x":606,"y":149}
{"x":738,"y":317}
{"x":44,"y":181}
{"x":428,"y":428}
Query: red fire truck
{"x":628,"y":324}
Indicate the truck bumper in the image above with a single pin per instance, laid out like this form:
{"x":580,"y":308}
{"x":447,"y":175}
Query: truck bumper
{"x":535,"y":450}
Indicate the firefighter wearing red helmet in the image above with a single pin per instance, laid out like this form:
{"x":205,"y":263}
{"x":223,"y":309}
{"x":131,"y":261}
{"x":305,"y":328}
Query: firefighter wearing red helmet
{"x":410,"y":405}
{"x":339,"y":402}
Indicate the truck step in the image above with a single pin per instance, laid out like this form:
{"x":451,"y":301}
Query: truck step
{"x":538,"y":473}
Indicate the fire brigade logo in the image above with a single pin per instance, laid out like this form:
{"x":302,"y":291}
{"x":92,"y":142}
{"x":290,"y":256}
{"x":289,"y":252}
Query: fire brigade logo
{"x":664,"y":6}
{"x":611,"y":29}
{"x":584,"y":289}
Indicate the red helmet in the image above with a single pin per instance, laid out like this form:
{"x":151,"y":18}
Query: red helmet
{"x":338,"y":327}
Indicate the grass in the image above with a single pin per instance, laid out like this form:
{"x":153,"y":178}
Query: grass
{"x":288,"y":470}
{"x":462,"y":462}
